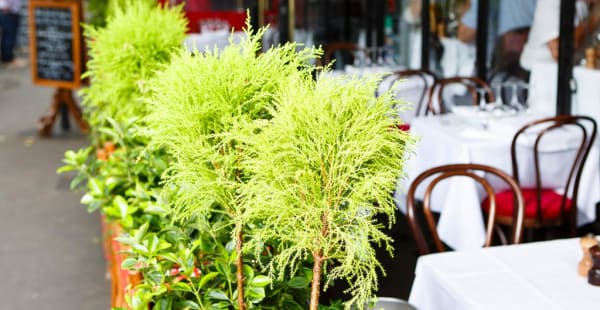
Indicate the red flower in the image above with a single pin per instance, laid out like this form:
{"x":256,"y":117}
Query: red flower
{"x":196,"y":272}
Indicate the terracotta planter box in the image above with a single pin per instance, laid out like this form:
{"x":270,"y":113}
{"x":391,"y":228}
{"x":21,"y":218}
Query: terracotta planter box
{"x":121,"y":280}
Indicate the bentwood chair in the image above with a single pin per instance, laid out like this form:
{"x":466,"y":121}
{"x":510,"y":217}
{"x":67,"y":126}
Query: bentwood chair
{"x":343,"y":52}
{"x":437,"y":103}
{"x":548,"y":206}
{"x":480,"y":174}
{"x":423,"y":79}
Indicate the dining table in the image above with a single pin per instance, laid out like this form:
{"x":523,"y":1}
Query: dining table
{"x":539,"y":275}
{"x":483,"y":138}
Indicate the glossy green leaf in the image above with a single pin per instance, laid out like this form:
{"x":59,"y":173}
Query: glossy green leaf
{"x":77,"y":181}
{"x":120,"y":203}
{"x":128,"y":263}
{"x":297,"y":282}
{"x":140,"y":232}
{"x":188,"y":305}
{"x":290,"y":304}
{"x":206,"y":278}
{"x":96,"y":187}
{"x":65,"y":169}
{"x":260,"y":281}
{"x":220,"y":305}
{"x":255,"y":294}
{"x":164,"y":304}
{"x":155,"y":276}
{"x":217,"y":294}
{"x":180,"y":286}
{"x":86,"y":199}
{"x":112,"y":182}
{"x":156,"y":209}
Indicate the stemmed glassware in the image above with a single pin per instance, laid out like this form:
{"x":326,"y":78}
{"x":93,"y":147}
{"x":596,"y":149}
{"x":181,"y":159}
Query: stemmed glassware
{"x":483,"y":105}
{"x":373,"y":57}
{"x":524,"y":99}
{"x":379,"y":54}
{"x":497,"y":87}
{"x":514,"y":101}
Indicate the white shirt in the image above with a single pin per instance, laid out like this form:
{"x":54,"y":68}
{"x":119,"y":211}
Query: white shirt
{"x":545,"y":27}
{"x":13,"y":5}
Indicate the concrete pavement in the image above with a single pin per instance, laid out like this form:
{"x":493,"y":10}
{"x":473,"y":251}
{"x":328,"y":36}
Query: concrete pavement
{"x":50,"y":251}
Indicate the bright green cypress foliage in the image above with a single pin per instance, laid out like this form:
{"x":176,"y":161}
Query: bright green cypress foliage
{"x":200,"y":103}
{"x":125,"y":55}
{"x":200,"y":100}
{"x":322,"y":168}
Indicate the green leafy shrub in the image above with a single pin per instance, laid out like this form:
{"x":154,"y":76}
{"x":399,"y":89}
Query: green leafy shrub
{"x":138,"y":39}
{"x":321,"y":170}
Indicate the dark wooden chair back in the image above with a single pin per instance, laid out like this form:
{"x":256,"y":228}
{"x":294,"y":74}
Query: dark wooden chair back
{"x":466,"y":170}
{"x":586,"y":126}
{"x":426,"y":78}
{"x":346,"y":49}
{"x":436,"y":104}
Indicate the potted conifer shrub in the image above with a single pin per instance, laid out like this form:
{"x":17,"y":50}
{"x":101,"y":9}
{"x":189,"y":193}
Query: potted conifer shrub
{"x":199,"y":103}
{"x":321,"y":170}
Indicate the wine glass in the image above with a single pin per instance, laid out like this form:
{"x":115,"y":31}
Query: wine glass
{"x":523,"y":95}
{"x":379,"y":53}
{"x":514,"y":101}
{"x":483,"y":104}
{"x":358,"y":60}
{"x":485,"y":109}
{"x":497,"y":87}
{"x":369,"y":57}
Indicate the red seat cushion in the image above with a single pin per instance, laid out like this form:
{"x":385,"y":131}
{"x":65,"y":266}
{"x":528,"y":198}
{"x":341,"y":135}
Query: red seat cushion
{"x":550,"y":203}
{"x":404,"y":127}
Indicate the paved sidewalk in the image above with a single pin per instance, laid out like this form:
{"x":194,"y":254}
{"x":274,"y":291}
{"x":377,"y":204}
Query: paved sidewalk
{"x":50,"y":251}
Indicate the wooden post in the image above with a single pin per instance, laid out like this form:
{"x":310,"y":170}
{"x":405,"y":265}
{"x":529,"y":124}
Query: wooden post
{"x":425,"y":33}
{"x":482,"y":39}
{"x":565,"y":57}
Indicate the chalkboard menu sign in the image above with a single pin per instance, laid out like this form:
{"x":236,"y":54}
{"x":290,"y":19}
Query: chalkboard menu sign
{"x":55,"y":37}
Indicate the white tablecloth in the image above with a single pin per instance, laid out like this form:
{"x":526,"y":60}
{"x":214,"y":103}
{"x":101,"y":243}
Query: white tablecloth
{"x":211,"y":40}
{"x":450,"y":140}
{"x":541,"y":275}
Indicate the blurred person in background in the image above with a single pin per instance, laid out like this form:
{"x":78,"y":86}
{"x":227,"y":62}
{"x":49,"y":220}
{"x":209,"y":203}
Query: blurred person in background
{"x":508,"y":31}
{"x":542,"y":44}
{"x":9,"y":21}
{"x":511,"y":15}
